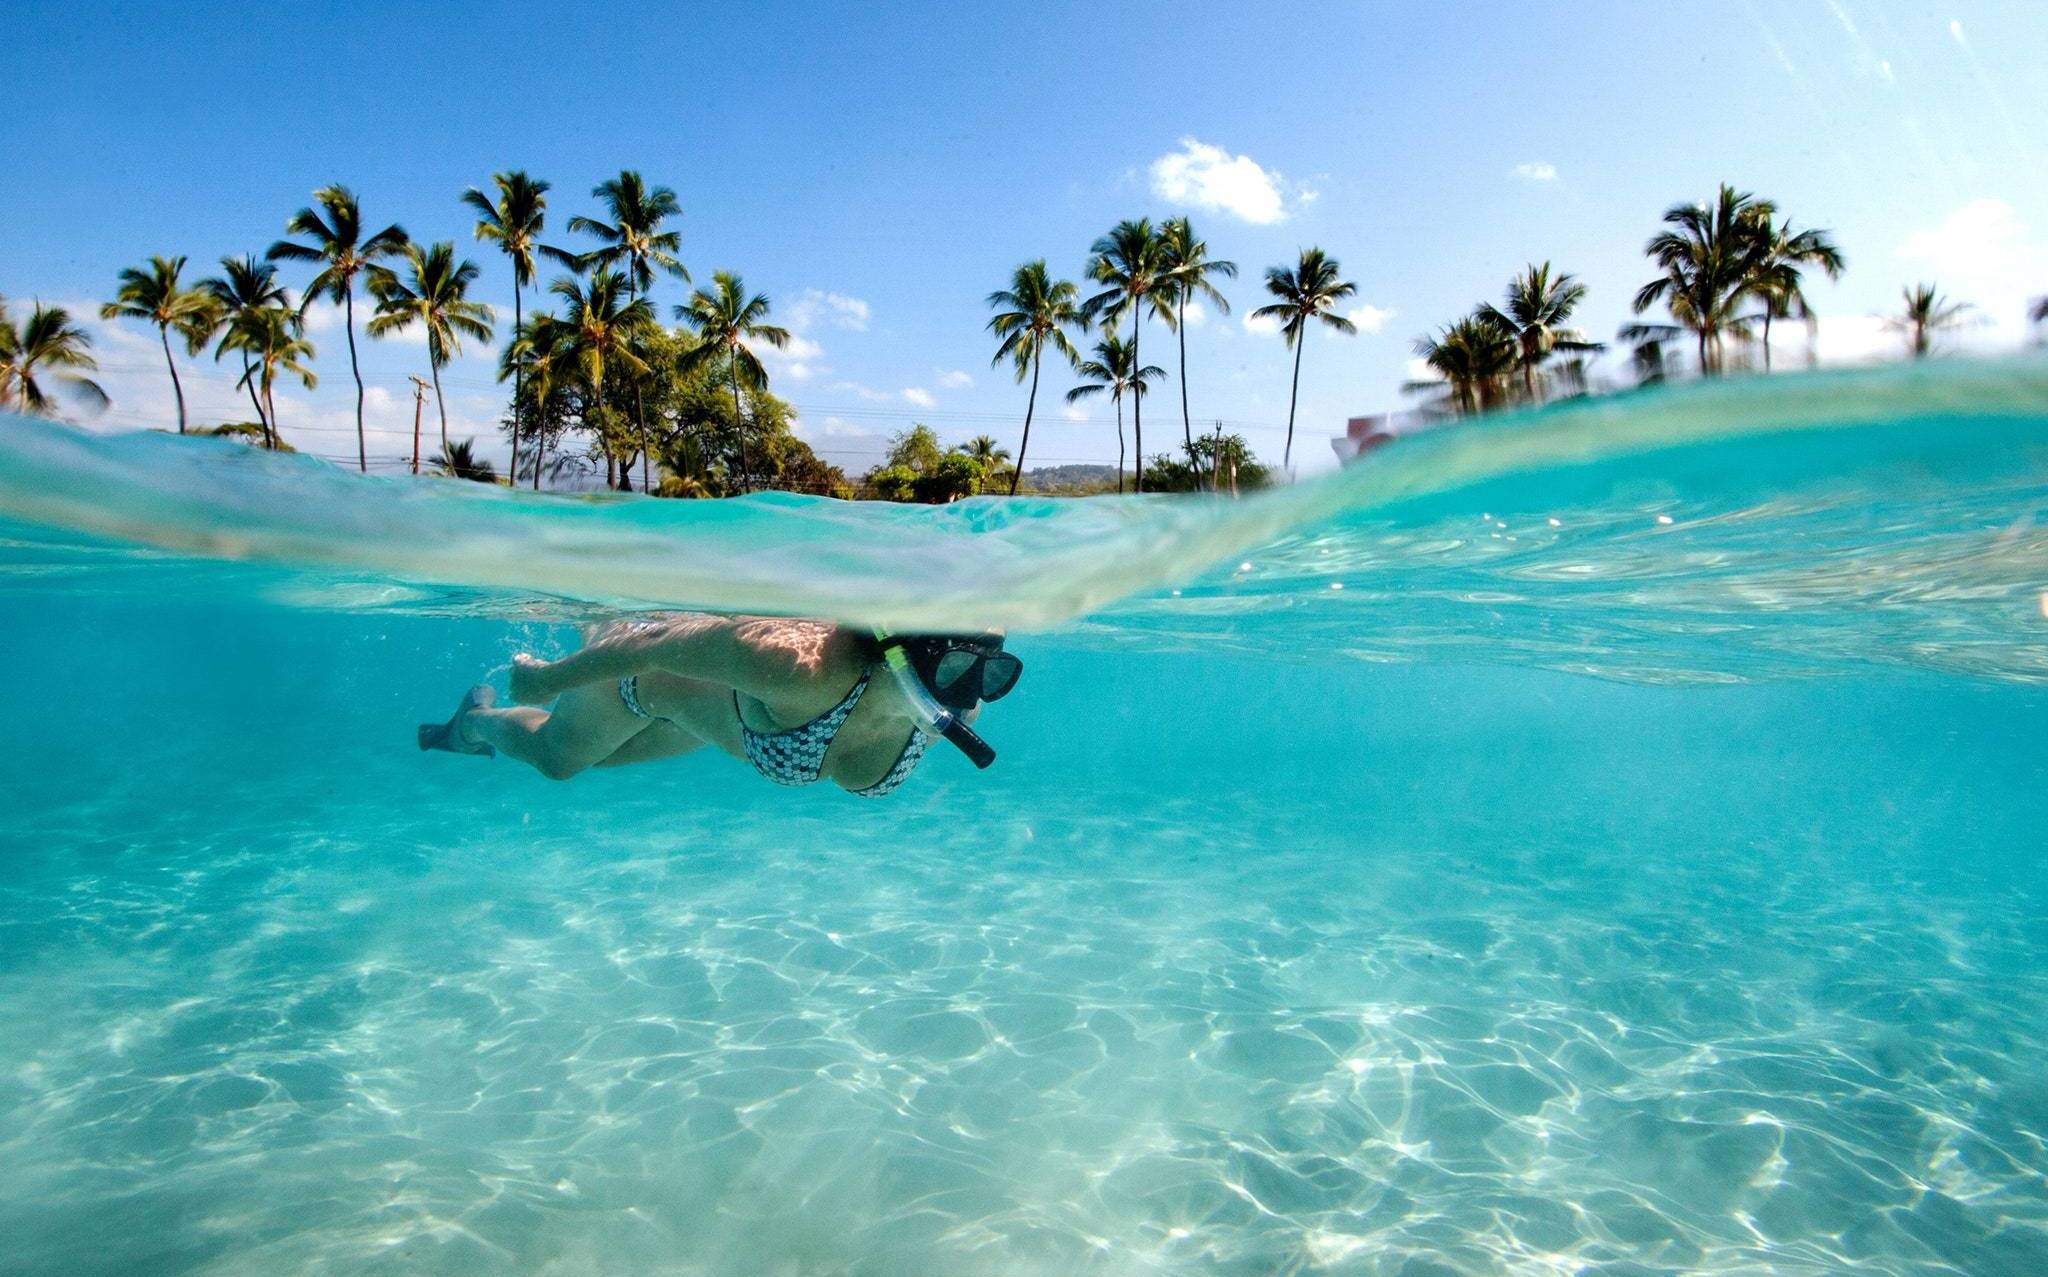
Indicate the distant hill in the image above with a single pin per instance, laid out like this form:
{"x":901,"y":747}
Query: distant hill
{"x":1067,"y":478}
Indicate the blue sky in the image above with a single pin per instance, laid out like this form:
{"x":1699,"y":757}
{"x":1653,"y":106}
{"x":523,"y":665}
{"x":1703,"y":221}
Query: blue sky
{"x":877,"y":170}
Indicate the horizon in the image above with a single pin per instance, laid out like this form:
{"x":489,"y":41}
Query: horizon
{"x":878,"y":234}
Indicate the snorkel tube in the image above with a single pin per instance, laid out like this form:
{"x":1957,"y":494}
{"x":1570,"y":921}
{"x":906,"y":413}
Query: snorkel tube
{"x":934,"y":718}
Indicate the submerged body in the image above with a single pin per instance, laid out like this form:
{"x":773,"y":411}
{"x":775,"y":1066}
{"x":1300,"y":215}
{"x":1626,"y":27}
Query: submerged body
{"x":798,"y":699}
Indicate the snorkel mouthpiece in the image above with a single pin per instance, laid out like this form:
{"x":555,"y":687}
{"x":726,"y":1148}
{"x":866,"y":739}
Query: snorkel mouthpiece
{"x":935,"y":718}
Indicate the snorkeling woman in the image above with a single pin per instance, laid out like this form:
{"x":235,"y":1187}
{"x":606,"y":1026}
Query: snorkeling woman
{"x":801,"y":700}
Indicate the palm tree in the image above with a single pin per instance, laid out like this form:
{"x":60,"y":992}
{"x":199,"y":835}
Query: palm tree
{"x":1775,"y":277}
{"x":461,"y":462}
{"x":725,"y":320}
{"x":155,"y":295}
{"x":1710,"y":261}
{"x":538,"y":353}
{"x":1310,"y":291}
{"x":513,"y":222}
{"x":635,"y":242}
{"x":1034,"y":312}
{"x":1131,"y":262}
{"x":1539,"y":305}
{"x":1472,"y":359}
{"x":339,"y":245}
{"x":986,"y":453}
{"x":47,"y":339}
{"x":601,"y":326}
{"x":1189,"y":268}
{"x":244,"y":287}
{"x":270,"y":341}
{"x":1115,"y":369}
{"x":2038,"y":312}
{"x":437,"y":299}
{"x":1927,"y":314}
{"x":633,"y":239}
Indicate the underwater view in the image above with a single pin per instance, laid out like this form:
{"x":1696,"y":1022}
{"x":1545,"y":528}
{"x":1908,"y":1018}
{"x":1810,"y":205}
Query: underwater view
{"x":1052,"y":640}
{"x":1617,"y":853}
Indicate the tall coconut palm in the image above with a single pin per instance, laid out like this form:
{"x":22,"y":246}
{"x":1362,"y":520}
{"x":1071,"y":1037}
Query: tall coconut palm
{"x":1927,"y":314}
{"x":537,"y":354}
{"x":1538,"y":311}
{"x":1472,"y":359}
{"x":1776,"y":272}
{"x":271,"y":342}
{"x":244,"y":287}
{"x":602,"y":323}
{"x":513,"y":221}
{"x":1710,"y":260}
{"x":1034,"y":313}
{"x":47,"y":354}
{"x":634,"y":242}
{"x":1131,"y":263}
{"x":434,"y":293}
{"x":156,"y":295}
{"x":1190,"y":272}
{"x":335,"y":230}
{"x":1310,"y":291}
{"x":725,"y":319}
{"x":1115,"y":369}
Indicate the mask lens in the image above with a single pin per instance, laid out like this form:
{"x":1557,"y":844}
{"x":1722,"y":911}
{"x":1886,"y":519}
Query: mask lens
{"x":999,"y":675}
{"x":953,"y":668}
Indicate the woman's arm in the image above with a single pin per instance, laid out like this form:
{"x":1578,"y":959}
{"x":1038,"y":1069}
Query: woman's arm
{"x":758,"y":655}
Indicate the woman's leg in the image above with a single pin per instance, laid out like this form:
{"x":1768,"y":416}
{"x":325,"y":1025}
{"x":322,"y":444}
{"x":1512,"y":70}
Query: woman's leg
{"x":586,"y":727}
{"x":660,"y":740}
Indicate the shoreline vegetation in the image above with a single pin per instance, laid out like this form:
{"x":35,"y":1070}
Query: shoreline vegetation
{"x":597,"y":382}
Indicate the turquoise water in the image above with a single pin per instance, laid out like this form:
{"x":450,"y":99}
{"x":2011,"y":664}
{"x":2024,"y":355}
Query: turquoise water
{"x":1634,"y":867}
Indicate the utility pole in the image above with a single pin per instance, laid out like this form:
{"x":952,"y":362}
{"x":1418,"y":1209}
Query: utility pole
{"x":419,"y":402}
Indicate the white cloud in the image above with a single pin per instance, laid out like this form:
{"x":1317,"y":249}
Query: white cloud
{"x":1074,"y":412}
{"x":918,"y":397}
{"x":1419,"y":370}
{"x":815,"y":306}
{"x":1210,"y":177}
{"x":868,"y":393}
{"x":1263,"y":325}
{"x":1537,"y":171}
{"x":955,"y":380}
{"x":1195,"y":314}
{"x":797,"y":360}
{"x":1985,"y":254}
{"x":1370,"y":318}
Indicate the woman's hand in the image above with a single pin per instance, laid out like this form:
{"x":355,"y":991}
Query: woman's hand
{"x":530,"y":684}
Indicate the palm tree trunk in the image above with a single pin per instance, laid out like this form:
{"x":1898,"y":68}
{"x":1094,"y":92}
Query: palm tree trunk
{"x":262,"y":418}
{"x":270,"y":397}
{"x":349,"y":322}
{"x":176,"y":388}
{"x":611,"y":462}
{"x":1767,"y":339}
{"x":440,"y":404}
{"x":1119,"y":443}
{"x":540,"y":456}
{"x":1137,"y":402}
{"x":1529,"y":376}
{"x":1030,"y":405}
{"x":518,"y":380}
{"x":1293,"y":392}
{"x":1706,"y":369}
{"x":646,"y":448}
{"x":1187,"y":429}
{"x":739,"y":419}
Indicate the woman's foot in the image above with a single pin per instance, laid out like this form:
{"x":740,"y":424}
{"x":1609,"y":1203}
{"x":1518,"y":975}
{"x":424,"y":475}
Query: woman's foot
{"x":452,"y":735}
